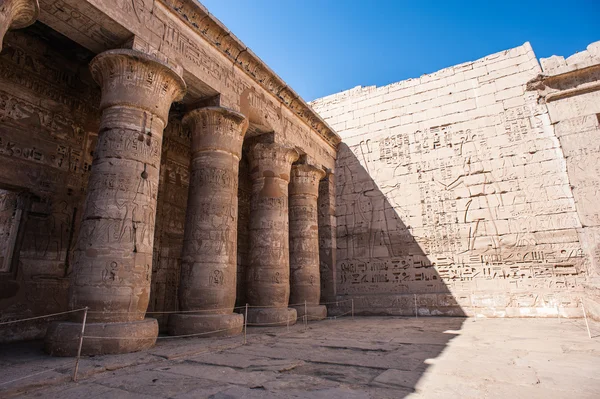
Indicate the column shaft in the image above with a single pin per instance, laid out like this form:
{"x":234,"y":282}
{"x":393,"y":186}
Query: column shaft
{"x":113,"y":254}
{"x":209,"y":256}
{"x":304,"y":242}
{"x":268,"y":272}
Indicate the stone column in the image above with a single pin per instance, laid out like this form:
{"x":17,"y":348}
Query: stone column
{"x":305,"y":281}
{"x":209,"y":256}
{"x":268,"y":274}
{"x":17,"y":14}
{"x":327,"y":238}
{"x":113,"y":254}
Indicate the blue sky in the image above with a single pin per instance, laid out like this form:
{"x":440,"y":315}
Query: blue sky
{"x":321,"y":47}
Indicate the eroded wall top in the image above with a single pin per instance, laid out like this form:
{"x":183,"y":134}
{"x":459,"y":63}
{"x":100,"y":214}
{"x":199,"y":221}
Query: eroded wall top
{"x":556,"y":65}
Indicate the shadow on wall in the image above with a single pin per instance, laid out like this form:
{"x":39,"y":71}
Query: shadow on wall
{"x":381,"y":265}
{"x":386,"y":271}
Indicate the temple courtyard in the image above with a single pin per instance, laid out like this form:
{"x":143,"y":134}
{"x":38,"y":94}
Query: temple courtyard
{"x":364,"y":357}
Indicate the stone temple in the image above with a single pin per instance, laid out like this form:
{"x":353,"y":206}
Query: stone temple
{"x":156,"y":172}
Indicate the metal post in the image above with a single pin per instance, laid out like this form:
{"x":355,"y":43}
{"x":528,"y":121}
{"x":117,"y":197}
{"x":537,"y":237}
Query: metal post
{"x":305,"y":317}
{"x":586,"y":321}
{"x":80,"y":344}
{"x":416,"y":309}
{"x":353,"y":309}
{"x":245,"y":323}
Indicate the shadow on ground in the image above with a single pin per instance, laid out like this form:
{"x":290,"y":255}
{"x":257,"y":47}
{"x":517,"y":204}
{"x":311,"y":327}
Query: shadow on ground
{"x":342,"y":358}
{"x":368,"y":357}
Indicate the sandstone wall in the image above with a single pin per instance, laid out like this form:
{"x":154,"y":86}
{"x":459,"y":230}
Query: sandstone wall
{"x":48,"y":126}
{"x":170,"y":219}
{"x":570,"y":88}
{"x":454,"y":187}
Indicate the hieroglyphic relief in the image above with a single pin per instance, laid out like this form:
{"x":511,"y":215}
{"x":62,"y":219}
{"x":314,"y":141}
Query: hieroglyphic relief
{"x":571,"y":94}
{"x":47,"y":113}
{"x":480,"y":205}
{"x":170,"y":218}
{"x":9,"y":225}
{"x":455,"y":225}
{"x":161,"y":33}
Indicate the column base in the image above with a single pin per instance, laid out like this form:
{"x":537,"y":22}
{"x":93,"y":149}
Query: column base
{"x":269,"y":317}
{"x":213,"y":325}
{"x":314,"y":312}
{"x":62,"y":337}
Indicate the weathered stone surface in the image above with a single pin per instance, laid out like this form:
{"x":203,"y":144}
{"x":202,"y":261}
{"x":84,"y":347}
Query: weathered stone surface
{"x":571,"y":90}
{"x":17,"y":14}
{"x":268,"y":274}
{"x":327,"y":238}
{"x":113,"y":256}
{"x":209,"y":258}
{"x":470,"y":191}
{"x":206,"y":325}
{"x":452,"y":196}
{"x":50,"y":118}
{"x":62,"y":338}
{"x":369,"y":358}
{"x":305,"y":279}
{"x":49,"y":122}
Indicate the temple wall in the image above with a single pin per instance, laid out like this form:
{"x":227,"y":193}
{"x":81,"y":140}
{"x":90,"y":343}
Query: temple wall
{"x":48,"y":127}
{"x":454,"y":195}
{"x":170,"y":219}
{"x":176,"y":33}
{"x":49,"y":121}
{"x":570,"y":91}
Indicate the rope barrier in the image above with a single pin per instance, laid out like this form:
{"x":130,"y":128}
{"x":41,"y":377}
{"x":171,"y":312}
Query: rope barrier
{"x":41,"y":317}
{"x":82,"y":336}
{"x":29,"y":376}
{"x":165,"y":337}
{"x":336,"y":302}
{"x":173,"y":311}
{"x":277,"y":323}
{"x":343,"y":314}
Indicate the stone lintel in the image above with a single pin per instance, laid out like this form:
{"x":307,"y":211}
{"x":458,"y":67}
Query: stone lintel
{"x":211,"y":29}
{"x":567,"y":84}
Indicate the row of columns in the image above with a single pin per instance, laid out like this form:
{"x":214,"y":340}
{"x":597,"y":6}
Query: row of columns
{"x":113,"y":253}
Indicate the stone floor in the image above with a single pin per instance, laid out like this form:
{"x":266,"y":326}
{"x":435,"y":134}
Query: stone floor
{"x":363,"y":358}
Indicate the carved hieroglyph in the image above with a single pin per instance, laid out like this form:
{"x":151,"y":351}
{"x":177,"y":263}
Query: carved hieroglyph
{"x":453,"y":187}
{"x":305,"y":281}
{"x":268,"y":274}
{"x":113,"y":255}
{"x":17,"y":14}
{"x":327,"y":237}
{"x":209,"y":258}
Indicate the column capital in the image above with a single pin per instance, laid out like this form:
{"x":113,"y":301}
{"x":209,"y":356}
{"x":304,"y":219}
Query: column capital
{"x":328,"y":173}
{"x":305,"y":179}
{"x":271,"y":160}
{"x":134,"y":79}
{"x":217,"y":128}
{"x":17,"y":14}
